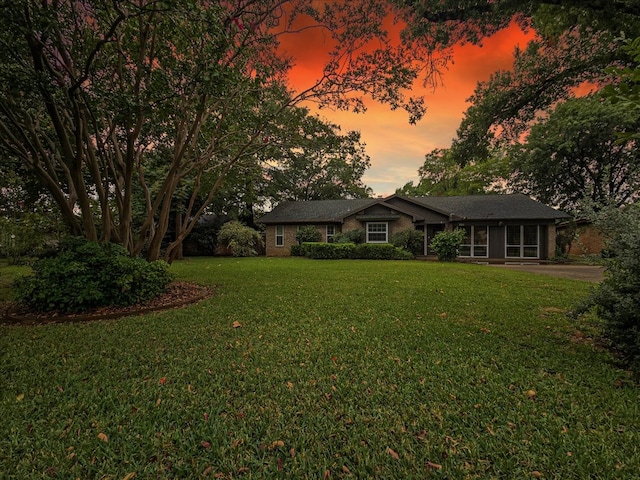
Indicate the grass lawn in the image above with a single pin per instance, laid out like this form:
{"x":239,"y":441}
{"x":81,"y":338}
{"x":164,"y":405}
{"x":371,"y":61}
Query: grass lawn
{"x":324,"y":369}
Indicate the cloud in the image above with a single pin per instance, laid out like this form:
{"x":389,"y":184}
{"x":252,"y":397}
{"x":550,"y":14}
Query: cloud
{"x":396,"y":148}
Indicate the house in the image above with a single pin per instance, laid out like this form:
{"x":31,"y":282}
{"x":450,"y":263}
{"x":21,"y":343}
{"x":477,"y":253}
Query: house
{"x":583,"y":238}
{"x":504,"y":227}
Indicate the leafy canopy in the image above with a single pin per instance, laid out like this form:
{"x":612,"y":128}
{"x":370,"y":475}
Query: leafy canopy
{"x":125,"y":111}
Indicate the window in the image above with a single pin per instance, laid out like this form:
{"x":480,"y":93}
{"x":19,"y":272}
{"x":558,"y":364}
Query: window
{"x":475,"y":242}
{"x":331,"y":231}
{"x":377,"y":232}
{"x":523,"y":241}
{"x":279,"y":235}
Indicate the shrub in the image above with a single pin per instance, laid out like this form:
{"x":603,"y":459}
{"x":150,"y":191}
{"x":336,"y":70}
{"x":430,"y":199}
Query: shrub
{"x":328,"y":251}
{"x":351,"y":236}
{"x":308,"y":233}
{"x":298,"y":250}
{"x":83,"y":275}
{"x":239,"y":238}
{"x":617,"y":299}
{"x":410,"y":239}
{"x":203,"y":239}
{"x":447,"y":244}
{"x":370,"y":251}
{"x":30,"y":235}
{"x":375,"y":251}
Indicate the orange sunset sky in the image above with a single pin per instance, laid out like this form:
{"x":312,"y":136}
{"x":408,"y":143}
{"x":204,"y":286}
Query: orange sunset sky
{"x":396,"y":148}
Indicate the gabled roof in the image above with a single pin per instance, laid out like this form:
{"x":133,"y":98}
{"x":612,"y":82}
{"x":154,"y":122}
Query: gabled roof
{"x":469,"y":207}
{"x":316,"y":211}
{"x":490,"y":207}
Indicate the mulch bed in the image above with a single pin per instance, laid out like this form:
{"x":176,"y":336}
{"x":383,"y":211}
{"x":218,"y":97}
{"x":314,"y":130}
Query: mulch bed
{"x":178,"y":294}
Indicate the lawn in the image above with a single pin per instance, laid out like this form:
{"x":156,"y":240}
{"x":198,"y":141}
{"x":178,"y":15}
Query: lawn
{"x":324,"y":369}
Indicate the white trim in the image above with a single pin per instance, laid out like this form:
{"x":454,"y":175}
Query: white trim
{"x":472,"y":246}
{"x":279,"y":236}
{"x":329,"y":236}
{"x":386,"y":232}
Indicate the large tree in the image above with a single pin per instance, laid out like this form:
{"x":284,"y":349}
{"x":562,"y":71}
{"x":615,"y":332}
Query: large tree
{"x":576,"y":42}
{"x":316,"y":162}
{"x":576,"y":154}
{"x":103,"y":100}
{"x":442,"y":175}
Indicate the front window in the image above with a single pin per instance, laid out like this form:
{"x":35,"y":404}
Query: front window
{"x":331,"y":231}
{"x":475,"y":242}
{"x":279,"y":235}
{"x":523,"y":241}
{"x":377,"y":232}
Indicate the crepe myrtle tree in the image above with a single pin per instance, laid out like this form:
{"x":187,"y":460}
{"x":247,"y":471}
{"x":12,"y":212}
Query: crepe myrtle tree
{"x":103,"y":101}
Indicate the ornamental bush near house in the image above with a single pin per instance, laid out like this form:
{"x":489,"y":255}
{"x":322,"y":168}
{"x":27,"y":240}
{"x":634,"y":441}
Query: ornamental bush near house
{"x":351,"y":236}
{"x":367,"y":251}
{"x":410,"y":239}
{"x":328,"y":251}
{"x":308,"y":233}
{"x":447,"y":244}
{"x":298,"y":250}
{"x":83,"y":275}
{"x":239,"y":238}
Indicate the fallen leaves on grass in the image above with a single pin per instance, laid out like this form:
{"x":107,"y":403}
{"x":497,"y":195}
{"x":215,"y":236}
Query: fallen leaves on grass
{"x":393,"y":453}
{"x":103,"y":437}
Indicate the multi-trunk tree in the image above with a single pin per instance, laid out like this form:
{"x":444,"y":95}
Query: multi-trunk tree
{"x":109,"y":103}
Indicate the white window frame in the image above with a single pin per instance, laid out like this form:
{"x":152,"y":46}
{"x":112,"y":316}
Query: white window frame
{"x":330,"y":232}
{"x":386,"y":232}
{"x":521,"y":246}
{"x":279,"y":235}
{"x":472,"y":245}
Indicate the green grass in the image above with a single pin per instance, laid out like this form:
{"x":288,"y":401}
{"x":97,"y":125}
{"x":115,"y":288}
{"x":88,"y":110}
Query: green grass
{"x":8,"y":273}
{"x":338,"y":369}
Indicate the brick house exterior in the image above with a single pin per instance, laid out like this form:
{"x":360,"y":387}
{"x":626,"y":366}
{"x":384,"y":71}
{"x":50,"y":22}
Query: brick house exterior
{"x":498,"y":227}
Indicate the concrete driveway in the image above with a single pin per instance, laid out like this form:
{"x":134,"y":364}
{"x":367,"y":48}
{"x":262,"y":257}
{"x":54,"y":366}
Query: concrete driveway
{"x":587,"y":273}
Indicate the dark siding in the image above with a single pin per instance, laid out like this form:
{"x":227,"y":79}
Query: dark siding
{"x":544,"y":235}
{"x":496,"y":242}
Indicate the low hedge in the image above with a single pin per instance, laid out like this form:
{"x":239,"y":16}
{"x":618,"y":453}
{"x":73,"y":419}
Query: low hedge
{"x":336,"y":251}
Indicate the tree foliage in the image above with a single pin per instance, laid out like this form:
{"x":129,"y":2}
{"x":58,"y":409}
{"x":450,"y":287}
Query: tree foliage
{"x":317,"y":163}
{"x":442,"y":175}
{"x":124,"y":110}
{"x":575,"y":154}
{"x":616,"y":300}
{"x":576,"y":42}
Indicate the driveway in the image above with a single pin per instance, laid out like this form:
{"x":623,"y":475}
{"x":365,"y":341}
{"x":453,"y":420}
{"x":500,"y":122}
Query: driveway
{"x":587,"y":273}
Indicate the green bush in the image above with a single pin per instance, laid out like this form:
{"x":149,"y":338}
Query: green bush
{"x":308,"y":233}
{"x":83,"y":275}
{"x":298,"y":250}
{"x":447,"y":244}
{"x":616,"y":300}
{"x":328,"y":251}
{"x":239,"y":238}
{"x":369,"y":251}
{"x":410,"y":240}
{"x":351,"y":236}
{"x":28,"y":236}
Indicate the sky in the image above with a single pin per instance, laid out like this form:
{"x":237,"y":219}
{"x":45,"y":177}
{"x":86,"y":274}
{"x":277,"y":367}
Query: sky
{"x":397,"y":148}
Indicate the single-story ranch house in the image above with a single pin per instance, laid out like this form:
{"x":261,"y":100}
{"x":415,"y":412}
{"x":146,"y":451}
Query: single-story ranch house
{"x":499,"y":227}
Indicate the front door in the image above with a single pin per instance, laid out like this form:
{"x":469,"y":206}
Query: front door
{"x":432,"y":230}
